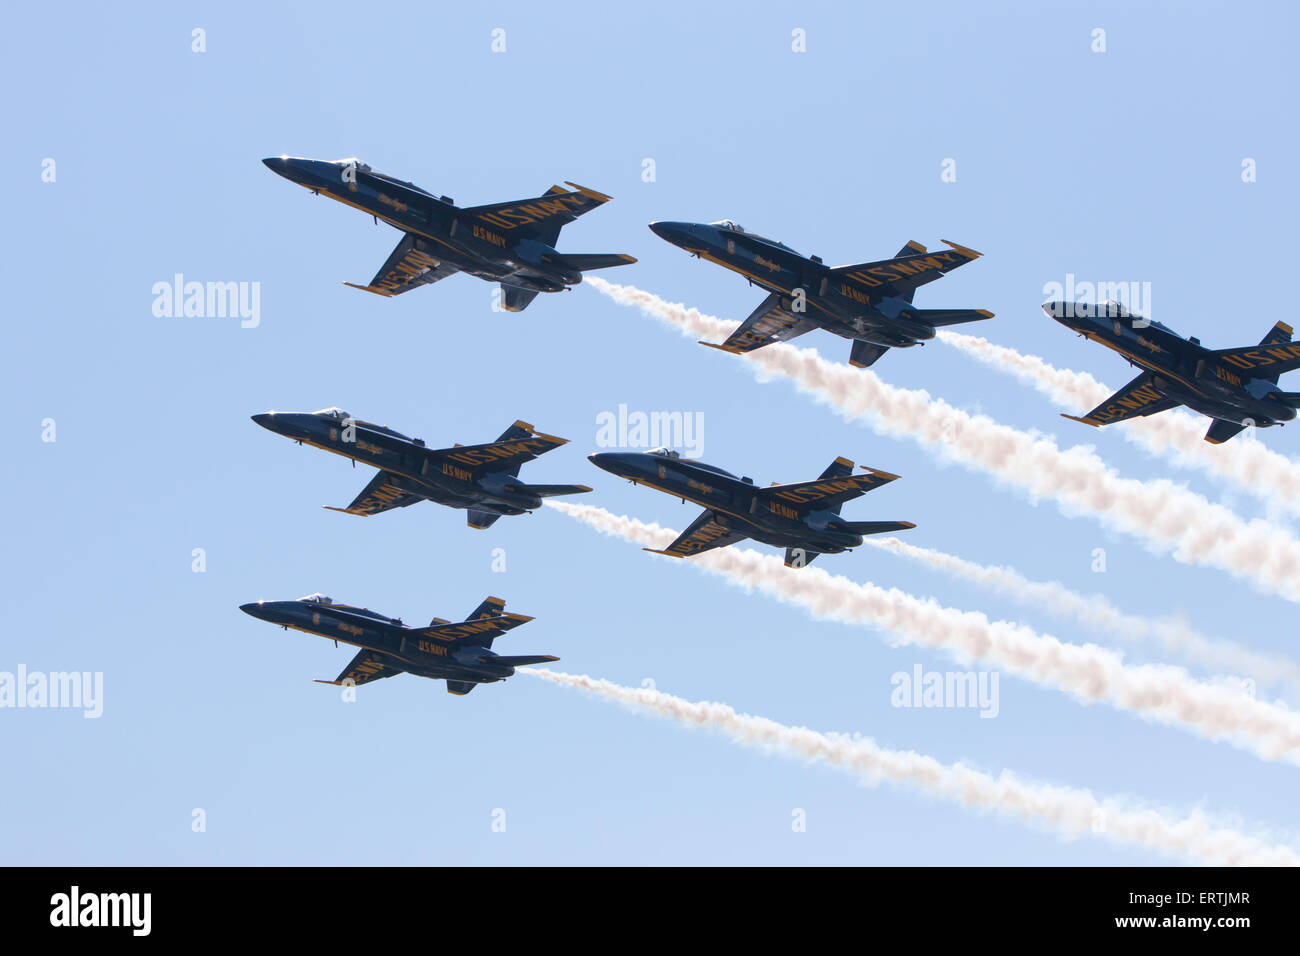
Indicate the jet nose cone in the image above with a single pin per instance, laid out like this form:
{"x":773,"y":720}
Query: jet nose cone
{"x":673,"y":232}
{"x":618,"y":463}
{"x":1057,"y":310}
{"x":264,"y":419}
{"x":255,"y":609}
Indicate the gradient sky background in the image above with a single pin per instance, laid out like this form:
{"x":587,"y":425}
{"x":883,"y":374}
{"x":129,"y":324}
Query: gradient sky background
{"x":1117,"y":166}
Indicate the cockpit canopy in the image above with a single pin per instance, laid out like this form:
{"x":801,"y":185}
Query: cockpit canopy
{"x":730,"y":225}
{"x":317,"y":598}
{"x":333,"y":412}
{"x":665,"y":453}
{"x":353,"y":161}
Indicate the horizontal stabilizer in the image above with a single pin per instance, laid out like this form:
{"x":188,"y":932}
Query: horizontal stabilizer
{"x":551,"y":491}
{"x":937,"y":318}
{"x":876,"y":527}
{"x":522,"y":660}
{"x":586,"y":261}
{"x":460,"y":687}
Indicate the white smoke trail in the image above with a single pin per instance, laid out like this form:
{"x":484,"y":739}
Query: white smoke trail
{"x":1165,"y":515}
{"x":1247,"y":463}
{"x":1161,"y":693}
{"x":1068,"y":811}
{"x":1178,"y":637}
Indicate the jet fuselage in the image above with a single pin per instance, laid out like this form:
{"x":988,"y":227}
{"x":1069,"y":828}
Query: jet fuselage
{"x":473,"y":248}
{"x":1183,"y":369}
{"x":448,"y":482}
{"x":836,"y":305}
{"x":423,"y":656}
{"x":733,"y":499}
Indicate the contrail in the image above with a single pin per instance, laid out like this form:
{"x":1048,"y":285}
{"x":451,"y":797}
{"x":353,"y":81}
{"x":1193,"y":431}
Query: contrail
{"x":1167,"y":695}
{"x":1165,"y":515}
{"x":1249,"y":464}
{"x":1175,"y":636}
{"x":1068,"y":811}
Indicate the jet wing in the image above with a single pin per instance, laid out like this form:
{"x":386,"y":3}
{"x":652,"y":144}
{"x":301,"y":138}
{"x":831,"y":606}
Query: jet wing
{"x":704,"y":534}
{"x":767,"y":324}
{"x":827,"y":492}
{"x":365,"y":667}
{"x":383,"y":493}
{"x":474,"y":631}
{"x":409,"y":267}
{"x":539,"y":218}
{"x":900,"y":276}
{"x":470,"y":462}
{"x":1137,"y":399}
{"x":1267,"y":360}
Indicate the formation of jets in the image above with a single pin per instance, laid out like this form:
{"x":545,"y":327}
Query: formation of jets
{"x":870,"y":303}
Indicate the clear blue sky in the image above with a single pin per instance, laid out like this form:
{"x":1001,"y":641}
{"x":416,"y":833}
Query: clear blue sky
{"x":1117,"y":166}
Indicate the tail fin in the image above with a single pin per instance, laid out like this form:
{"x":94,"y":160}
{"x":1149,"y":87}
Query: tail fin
{"x":586,"y":261}
{"x":864,"y":354}
{"x":517,"y":431}
{"x":491,"y":607}
{"x":1221,"y":431}
{"x":460,"y":687}
{"x":912,"y":248}
{"x":1279,"y":334}
{"x":840,"y":468}
{"x":799,"y":557}
{"x":514,"y":299}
